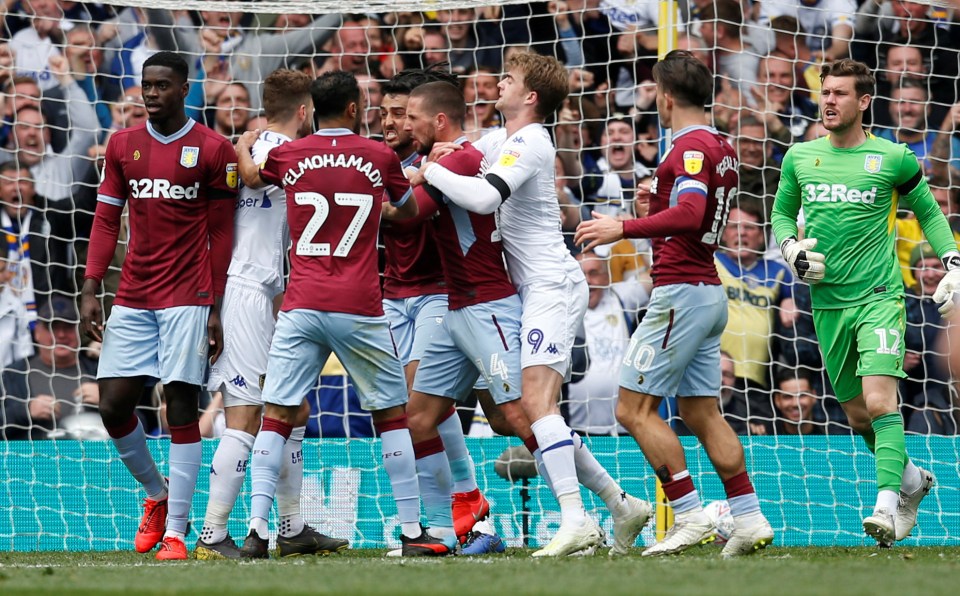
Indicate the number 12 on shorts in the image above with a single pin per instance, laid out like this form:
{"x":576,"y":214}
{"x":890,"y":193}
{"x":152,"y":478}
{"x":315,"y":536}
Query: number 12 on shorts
{"x":889,"y":341}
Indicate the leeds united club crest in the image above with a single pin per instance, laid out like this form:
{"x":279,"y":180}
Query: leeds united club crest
{"x":189,"y":156}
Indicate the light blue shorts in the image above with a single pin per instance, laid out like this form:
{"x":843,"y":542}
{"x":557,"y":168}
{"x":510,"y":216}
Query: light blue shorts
{"x":676,"y":349}
{"x":413,"y":321}
{"x":482,"y":340}
{"x":303,"y":341}
{"x":169,"y":344}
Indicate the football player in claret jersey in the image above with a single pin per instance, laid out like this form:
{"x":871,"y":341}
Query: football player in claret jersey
{"x":849,"y":185}
{"x":415,"y":293}
{"x":336,"y":184}
{"x":254,"y":284}
{"x":482,"y":328}
{"x":179,"y":180}
{"x":675,"y":351}
{"x":551,"y":285}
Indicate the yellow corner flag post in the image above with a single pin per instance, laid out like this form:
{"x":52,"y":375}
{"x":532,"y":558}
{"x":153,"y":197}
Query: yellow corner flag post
{"x":666,"y":41}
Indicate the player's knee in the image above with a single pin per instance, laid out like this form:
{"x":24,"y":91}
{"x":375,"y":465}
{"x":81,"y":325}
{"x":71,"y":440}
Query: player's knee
{"x":509,"y":421}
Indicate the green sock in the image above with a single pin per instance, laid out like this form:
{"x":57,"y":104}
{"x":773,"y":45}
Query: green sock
{"x":891,"y":451}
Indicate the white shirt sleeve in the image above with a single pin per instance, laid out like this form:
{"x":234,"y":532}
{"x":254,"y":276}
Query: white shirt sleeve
{"x":520,"y":159}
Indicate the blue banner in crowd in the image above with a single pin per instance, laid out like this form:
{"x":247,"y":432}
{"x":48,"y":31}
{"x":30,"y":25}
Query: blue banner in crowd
{"x":71,"y":495}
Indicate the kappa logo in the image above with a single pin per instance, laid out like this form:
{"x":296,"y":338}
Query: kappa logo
{"x":872,"y":163}
{"x":518,"y":140}
{"x":189,"y":156}
{"x":239,"y":381}
{"x":552,"y":349}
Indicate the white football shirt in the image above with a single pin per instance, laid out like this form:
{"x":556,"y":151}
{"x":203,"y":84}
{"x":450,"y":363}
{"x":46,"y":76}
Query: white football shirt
{"x":529,"y":219}
{"x":261,"y":235}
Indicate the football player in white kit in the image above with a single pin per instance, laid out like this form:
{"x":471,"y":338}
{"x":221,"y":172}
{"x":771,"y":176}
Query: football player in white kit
{"x":254,"y":282}
{"x":552,"y":287}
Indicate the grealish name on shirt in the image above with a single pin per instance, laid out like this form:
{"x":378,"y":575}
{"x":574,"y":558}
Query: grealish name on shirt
{"x":316,"y":162}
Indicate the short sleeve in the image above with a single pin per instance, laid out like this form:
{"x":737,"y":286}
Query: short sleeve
{"x":222,"y":176}
{"x":519,"y":160}
{"x":113,"y":188}
{"x":398,"y":187}
{"x":270,"y":168}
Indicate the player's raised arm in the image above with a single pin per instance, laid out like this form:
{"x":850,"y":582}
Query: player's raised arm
{"x":248,"y":169}
{"x":480,"y":195}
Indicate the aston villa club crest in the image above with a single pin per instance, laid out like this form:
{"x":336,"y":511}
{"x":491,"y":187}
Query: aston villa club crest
{"x":189,"y":156}
{"x":872,"y":163}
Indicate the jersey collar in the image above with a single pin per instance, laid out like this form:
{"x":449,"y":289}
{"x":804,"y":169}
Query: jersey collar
{"x":175,"y":136}
{"x":689,"y":129}
{"x":334,"y":132}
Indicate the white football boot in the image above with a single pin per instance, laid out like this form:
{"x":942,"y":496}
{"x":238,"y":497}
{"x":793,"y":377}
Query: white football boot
{"x":881,"y":526}
{"x":910,"y":503}
{"x":688,"y":530}
{"x":634,"y":515}
{"x":571,"y":539}
{"x":752,"y":532}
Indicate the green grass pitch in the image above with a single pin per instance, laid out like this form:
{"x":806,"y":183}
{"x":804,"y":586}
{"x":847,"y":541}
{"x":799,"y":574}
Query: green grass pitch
{"x":922,"y":571}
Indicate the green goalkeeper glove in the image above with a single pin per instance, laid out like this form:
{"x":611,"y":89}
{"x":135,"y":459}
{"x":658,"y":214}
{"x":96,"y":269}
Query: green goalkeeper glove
{"x":949,"y":285}
{"x":805,"y":264}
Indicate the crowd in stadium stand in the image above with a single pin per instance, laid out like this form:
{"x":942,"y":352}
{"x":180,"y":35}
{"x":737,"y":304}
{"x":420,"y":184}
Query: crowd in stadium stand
{"x":69,"y":77}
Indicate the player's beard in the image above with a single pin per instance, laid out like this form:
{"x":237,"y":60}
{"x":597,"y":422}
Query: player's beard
{"x":427,"y":147}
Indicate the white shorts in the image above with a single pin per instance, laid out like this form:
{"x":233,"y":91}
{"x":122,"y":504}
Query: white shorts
{"x":248,"y":325}
{"x":167,"y":344}
{"x":552,"y":315}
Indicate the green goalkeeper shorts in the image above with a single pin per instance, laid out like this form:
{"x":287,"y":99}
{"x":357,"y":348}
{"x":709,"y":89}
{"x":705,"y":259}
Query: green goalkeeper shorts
{"x":861,"y":341}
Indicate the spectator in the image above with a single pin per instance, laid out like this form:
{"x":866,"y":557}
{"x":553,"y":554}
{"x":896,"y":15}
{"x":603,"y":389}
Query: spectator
{"x":909,"y":110}
{"x":798,"y":406}
{"x":15,"y":341}
{"x":828,"y":24}
{"x":231,"y":111}
{"x":945,"y":153}
{"x":61,"y":380}
{"x":480,"y":92}
{"x":233,"y":55}
{"x":786,"y":31}
{"x":35,"y":45}
{"x":901,"y":61}
{"x":734,"y":58}
{"x":436,"y":47}
{"x":917,"y":24}
{"x":926,"y":392}
{"x":372,"y":98}
{"x":37,"y":250}
{"x":909,"y":233}
{"x":787,"y":112}
{"x":608,"y":324}
{"x":759,"y":173}
{"x":351,"y":48}
{"x":86,"y":60}
{"x":611,"y":185}
{"x":473,"y":40}
{"x":55,"y":173}
{"x":758,"y":290}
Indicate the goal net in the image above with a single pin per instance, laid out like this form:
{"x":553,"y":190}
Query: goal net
{"x":69,"y":78}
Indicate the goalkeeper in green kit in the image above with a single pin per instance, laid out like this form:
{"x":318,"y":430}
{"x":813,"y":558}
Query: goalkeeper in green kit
{"x":849,"y":185}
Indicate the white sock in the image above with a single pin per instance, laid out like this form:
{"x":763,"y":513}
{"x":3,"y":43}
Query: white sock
{"x":542,"y":468}
{"x":227,"y":472}
{"x":258,"y":525}
{"x":594,"y":476}
{"x":887,"y":499}
{"x":401,"y":468}
{"x":185,"y":461}
{"x":912,"y":479}
{"x":290,"y":485}
{"x":556,"y":448}
{"x":264,"y":471}
{"x":135,"y":455}
{"x":462,"y":469}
